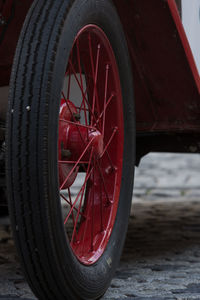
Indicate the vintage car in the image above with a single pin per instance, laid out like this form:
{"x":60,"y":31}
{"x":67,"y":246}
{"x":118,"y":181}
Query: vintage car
{"x":93,"y":87}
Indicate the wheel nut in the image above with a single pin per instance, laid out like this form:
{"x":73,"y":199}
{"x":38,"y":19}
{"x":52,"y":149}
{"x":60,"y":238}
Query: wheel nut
{"x":109,"y":170}
{"x":65,"y":153}
{"x":76,"y":116}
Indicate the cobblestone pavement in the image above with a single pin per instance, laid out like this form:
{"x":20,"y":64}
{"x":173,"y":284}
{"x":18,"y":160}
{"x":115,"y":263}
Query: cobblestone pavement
{"x":161,"y":258}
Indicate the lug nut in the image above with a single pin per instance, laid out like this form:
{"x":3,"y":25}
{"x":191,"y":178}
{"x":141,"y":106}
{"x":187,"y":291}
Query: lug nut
{"x":66,"y":153}
{"x":110,"y":169}
{"x":76,"y":116}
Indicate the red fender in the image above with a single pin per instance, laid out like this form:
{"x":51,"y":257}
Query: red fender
{"x":166,"y":80}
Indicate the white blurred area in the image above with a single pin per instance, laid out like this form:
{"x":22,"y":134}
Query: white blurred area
{"x":191,"y":23}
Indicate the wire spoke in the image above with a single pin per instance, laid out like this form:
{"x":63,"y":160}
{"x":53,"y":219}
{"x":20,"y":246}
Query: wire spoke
{"x":81,"y":79}
{"x":103,"y":111}
{"x":77,"y":124}
{"x":72,"y":162}
{"x":76,"y":200}
{"x":70,"y":202}
{"x":82,"y":193}
{"x":109,"y":142}
{"x":88,"y":104}
{"x":95,"y":82}
{"x":76,"y":164}
{"x":77,"y":80}
{"x":105,"y":98}
{"x":83,"y":106}
{"x":93,"y":71}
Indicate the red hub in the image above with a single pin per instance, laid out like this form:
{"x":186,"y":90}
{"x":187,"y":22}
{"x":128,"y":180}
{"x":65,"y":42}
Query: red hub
{"x":90,"y":147}
{"x":72,"y":140}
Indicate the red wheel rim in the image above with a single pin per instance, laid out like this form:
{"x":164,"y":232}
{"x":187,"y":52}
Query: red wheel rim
{"x":90,"y":145}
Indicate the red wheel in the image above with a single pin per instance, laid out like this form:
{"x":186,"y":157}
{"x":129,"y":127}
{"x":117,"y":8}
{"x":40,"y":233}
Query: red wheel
{"x":91,"y":138}
{"x":70,"y":141}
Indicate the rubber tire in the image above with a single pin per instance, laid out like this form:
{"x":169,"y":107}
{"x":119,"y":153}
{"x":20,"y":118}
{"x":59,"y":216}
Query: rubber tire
{"x":3,"y":203}
{"x":51,"y":269}
{"x":3,"y":211}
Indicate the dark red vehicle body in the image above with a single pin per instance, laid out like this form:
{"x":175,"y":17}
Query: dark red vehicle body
{"x":166,"y":80}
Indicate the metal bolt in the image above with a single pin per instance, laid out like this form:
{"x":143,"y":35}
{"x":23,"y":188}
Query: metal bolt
{"x":109,"y":170}
{"x":66,"y":153}
{"x":77,"y":116}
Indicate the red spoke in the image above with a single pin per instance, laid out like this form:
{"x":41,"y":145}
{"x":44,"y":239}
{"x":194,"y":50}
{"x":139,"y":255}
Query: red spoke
{"x":109,"y":158}
{"x":66,"y":200}
{"x":105,"y":97}
{"x":76,"y":200}
{"x":75,"y":75}
{"x":93,"y":71}
{"x":70,"y":203}
{"x":76,"y":164}
{"x":101,"y":114}
{"x":77,"y":124}
{"x":83,"y":101}
{"x":81,"y":109}
{"x":91,"y":56}
{"x":80,"y":88}
{"x":110,"y":140}
{"x":71,"y":162}
{"x":70,"y":200}
{"x":80,"y":72}
{"x":95,"y":82}
{"x":82,"y":193}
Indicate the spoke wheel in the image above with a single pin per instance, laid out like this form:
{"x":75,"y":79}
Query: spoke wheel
{"x":91,"y":141}
{"x":71,"y":147}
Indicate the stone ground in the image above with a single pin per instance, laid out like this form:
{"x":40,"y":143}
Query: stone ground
{"x":161,"y":258}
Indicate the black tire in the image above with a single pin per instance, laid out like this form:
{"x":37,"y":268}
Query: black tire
{"x":51,"y":269}
{"x":3,"y":211}
{"x":3,"y":203}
